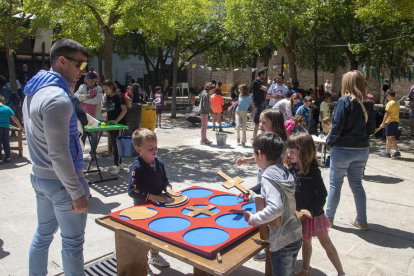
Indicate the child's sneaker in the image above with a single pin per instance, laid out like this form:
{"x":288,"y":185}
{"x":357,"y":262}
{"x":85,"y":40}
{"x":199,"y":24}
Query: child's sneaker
{"x":159,"y":261}
{"x":396,"y":154}
{"x":220,"y":129}
{"x":214,"y":128}
{"x":385,"y":154}
{"x":149,"y":271}
{"x":243,"y":144}
{"x":357,"y":224}
{"x":261,"y":256}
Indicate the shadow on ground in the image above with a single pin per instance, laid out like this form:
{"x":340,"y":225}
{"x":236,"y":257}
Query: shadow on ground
{"x":2,"y":252}
{"x":382,"y":179}
{"x":96,"y":206}
{"x":382,"y":236}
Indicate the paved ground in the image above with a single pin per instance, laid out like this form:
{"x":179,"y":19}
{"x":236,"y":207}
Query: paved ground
{"x":387,"y":249}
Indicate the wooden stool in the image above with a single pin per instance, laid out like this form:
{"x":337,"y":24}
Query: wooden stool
{"x":19,"y":139}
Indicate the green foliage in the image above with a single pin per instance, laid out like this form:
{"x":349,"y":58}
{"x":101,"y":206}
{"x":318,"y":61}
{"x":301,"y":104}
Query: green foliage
{"x":390,"y":11}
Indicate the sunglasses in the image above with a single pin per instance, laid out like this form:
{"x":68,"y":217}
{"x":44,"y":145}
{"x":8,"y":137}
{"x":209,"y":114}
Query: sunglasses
{"x":81,"y":64}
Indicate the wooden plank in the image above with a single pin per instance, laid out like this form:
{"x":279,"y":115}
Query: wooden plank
{"x":130,"y":259}
{"x":233,"y":256}
{"x":204,"y":210}
{"x":232,"y":182}
{"x":264,"y":234}
{"x":268,"y":264}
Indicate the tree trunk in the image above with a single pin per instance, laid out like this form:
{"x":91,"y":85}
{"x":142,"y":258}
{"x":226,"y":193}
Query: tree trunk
{"x":100,"y":68}
{"x":174,"y":93}
{"x":108,"y":52}
{"x":292,"y":64}
{"x":352,"y":59}
{"x":12,"y":69}
{"x":315,"y":71}
{"x":254,"y":63}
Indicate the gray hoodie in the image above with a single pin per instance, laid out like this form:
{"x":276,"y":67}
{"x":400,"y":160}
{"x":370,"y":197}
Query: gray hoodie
{"x":278,"y":190}
{"x":205,"y":103}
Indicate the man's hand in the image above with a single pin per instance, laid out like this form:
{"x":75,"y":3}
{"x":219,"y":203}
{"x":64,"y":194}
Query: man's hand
{"x":382,"y":126}
{"x":80,"y":205}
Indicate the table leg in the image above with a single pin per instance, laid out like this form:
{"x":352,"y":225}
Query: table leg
{"x":198,"y":272}
{"x":131,"y":258}
{"x":268,"y":264}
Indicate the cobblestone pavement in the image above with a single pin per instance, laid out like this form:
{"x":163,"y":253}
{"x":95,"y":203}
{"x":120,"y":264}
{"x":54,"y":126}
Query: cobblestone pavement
{"x":386,"y":249}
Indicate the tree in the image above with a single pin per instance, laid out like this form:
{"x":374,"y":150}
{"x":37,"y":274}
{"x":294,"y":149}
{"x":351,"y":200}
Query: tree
{"x":185,"y":29}
{"x":90,"y":21}
{"x":282,"y":23}
{"x":18,"y":21}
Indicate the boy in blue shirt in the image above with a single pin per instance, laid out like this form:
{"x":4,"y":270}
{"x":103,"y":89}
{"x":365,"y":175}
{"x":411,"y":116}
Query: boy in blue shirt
{"x":6,"y":113}
{"x":148,"y":179}
{"x":304,"y":110}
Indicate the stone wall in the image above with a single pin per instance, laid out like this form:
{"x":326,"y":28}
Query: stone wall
{"x":198,"y":77}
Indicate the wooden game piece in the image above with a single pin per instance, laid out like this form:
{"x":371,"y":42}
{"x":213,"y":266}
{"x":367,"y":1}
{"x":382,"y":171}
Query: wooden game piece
{"x":137,"y":213}
{"x":259,"y":201}
{"x":173,"y":200}
{"x":233,"y":182}
{"x":236,"y":211}
{"x":218,"y":256}
{"x":178,"y":204}
{"x":203,"y":210}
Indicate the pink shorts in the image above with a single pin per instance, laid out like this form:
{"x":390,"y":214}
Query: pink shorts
{"x":314,"y":227}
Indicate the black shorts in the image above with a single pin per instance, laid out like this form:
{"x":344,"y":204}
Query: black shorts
{"x":391,"y":129}
{"x":257,"y":111}
{"x":158,"y":111}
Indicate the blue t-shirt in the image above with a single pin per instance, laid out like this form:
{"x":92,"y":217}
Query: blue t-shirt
{"x":244,"y":102}
{"x":5,"y":113}
{"x":305,"y":112}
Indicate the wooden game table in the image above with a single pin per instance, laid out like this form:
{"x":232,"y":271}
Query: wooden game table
{"x":18,"y":138}
{"x":100,"y":129}
{"x":132,"y":248}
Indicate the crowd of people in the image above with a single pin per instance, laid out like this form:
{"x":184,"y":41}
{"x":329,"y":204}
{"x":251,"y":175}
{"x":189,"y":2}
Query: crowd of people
{"x":288,"y":174}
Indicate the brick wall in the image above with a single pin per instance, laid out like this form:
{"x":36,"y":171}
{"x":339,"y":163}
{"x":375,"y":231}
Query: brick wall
{"x":198,"y":77}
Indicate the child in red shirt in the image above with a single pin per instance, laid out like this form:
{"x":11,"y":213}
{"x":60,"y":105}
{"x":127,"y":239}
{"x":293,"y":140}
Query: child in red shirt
{"x":217,"y":102}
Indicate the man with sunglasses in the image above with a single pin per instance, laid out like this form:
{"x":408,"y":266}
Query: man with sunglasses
{"x":57,"y":172}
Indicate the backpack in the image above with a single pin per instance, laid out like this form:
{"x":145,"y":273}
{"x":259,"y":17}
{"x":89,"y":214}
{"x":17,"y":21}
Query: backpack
{"x":12,"y":96}
{"x":14,"y":99}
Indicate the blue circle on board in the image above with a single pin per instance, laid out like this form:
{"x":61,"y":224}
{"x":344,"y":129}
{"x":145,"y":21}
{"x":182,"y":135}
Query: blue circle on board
{"x":225,"y":200}
{"x":197,"y":193}
{"x":185,"y":211}
{"x":206,"y":236}
{"x":127,"y":218}
{"x":235,"y":221}
{"x":251,"y":207}
{"x":169,"y":224}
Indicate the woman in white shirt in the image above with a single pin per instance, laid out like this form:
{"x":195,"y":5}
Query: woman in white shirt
{"x":328,"y":87}
{"x":285,"y":105}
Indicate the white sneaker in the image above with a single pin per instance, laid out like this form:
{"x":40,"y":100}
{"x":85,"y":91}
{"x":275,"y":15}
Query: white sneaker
{"x":115,"y":171}
{"x":158,"y":261}
{"x":149,"y":271}
{"x":121,"y":167}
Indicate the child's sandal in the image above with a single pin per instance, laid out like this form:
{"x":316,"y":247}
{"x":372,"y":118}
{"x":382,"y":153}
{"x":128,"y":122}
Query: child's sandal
{"x":8,"y":160}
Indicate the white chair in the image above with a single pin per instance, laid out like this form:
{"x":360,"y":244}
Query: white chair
{"x":184,"y":85}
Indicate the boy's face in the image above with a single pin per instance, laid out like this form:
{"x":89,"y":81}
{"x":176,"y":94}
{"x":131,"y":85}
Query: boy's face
{"x":389,"y":97}
{"x":148,"y":150}
{"x":260,"y":160}
{"x":307,"y":104}
{"x":328,"y":100}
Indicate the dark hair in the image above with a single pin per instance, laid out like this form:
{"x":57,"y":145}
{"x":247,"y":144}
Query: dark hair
{"x":219,"y":83}
{"x":66,"y":47}
{"x":213,"y":81}
{"x":3,"y":81}
{"x":245,"y":91}
{"x":307,"y":152}
{"x":113,"y":86}
{"x":295,"y":83}
{"x":132,"y":80}
{"x":299,"y":119}
{"x":157,"y":88}
{"x":391,"y":92}
{"x":281,"y":75}
{"x":209,"y":85}
{"x":217,"y":91}
{"x":277,"y":120}
{"x":307,"y":99}
{"x":196,"y":103}
{"x":327,"y":95}
{"x":289,"y":94}
{"x":269,"y":144}
{"x":260,"y":72}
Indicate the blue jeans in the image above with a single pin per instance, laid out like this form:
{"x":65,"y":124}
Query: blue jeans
{"x":352,"y":162}
{"x":283,"y":261}
{"x":54,"y":209}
